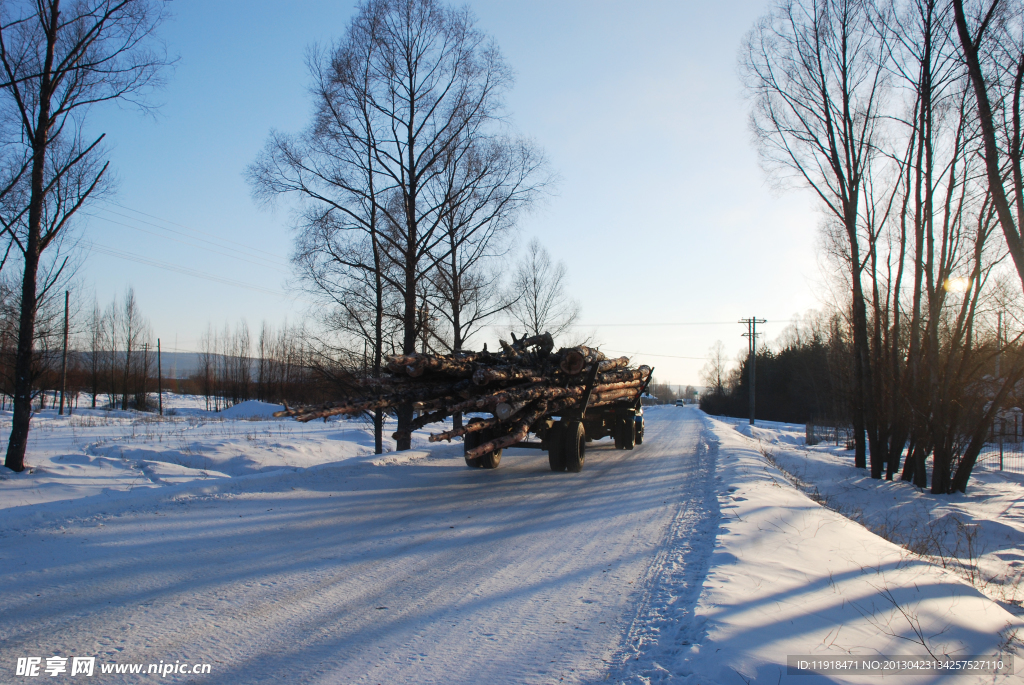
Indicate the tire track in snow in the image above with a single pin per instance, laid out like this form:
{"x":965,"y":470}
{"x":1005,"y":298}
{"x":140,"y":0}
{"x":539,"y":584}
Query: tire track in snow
{"x":538,"y":580}
{"x":664,"y":626}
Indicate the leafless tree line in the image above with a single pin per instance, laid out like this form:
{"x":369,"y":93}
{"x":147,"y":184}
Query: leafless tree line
{"x":120,"y":355}
{"x":282,"y":365}
{"x":903,"y":117}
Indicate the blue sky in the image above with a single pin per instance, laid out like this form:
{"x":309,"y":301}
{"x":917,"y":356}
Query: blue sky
{"x":662,"y":215}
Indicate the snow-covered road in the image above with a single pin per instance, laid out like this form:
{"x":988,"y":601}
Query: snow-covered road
{"x":421,"y":572}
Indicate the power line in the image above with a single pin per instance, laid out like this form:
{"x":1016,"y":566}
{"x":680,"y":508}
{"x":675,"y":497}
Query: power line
{"x":262,"y":264}
{"x":201,"y":234}
{"x":111,"y":252}
{"x":651,"y":354}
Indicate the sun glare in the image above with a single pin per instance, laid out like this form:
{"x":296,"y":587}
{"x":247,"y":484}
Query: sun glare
{"x":957,"y":285}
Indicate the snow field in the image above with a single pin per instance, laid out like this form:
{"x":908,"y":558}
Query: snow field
{"x":286,"y":552}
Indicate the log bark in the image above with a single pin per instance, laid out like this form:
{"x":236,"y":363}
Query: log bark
{"x":491,"y":374}
{"x":612,"y":364}
{"x":468,"y":428}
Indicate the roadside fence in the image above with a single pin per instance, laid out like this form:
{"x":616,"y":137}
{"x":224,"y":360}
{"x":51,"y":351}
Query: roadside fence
{"x":1004,"y":450}
{"x":832,"y":432}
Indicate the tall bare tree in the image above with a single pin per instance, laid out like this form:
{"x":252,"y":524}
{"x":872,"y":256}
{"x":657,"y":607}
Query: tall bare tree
{"x":411,"y":83}
{"x":814,"y":70}
{"x":58,"y":59}
{"x":715,"y":372}
{"x":991,"y":41}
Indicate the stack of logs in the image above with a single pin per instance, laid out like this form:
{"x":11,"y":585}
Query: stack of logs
{"x":519,"y":386}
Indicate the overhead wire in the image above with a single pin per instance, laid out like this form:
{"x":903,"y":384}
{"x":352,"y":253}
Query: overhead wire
{"x":129,"y":256}
{"x":246,"y":254}
{"x":202,"y":235}
{"x":264,"y":264}
{"x":651,"y":354}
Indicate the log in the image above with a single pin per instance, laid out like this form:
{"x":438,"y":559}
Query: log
{"x":518,"y":434}
{"x":544,"y":342}
{"x":468,"y":428}
{"x":605,"y":397}
{"x":576,"y":359}
{"x":490,"y":374}
{"x":506,"y":410}
{"x":520,"y":393}
{"x":362,"y":404}
{"x":612,"y":364}
{"x":451,"y":367}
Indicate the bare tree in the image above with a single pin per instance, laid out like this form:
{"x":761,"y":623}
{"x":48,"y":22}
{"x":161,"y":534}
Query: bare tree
{"x":991,"y":41}
{"x":412,"y":81}
{"x":111,"y":357}
{"x":715,"y":372}
{"x":543,"y":304}
{"x":58,"y":59}
{"x":814,"y":70}
{"x":132,"y":333}
{"x":96,"y":331}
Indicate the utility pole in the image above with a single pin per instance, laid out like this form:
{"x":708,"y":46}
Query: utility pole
{"x":159,"y":378}
{"x":64,"y":359}
{"x":752,"y":335}
{"x":999,"y":342}
{"x":145,"y":374}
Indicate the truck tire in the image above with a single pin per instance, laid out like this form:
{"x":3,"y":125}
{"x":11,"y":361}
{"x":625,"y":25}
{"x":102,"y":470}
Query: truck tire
{"x":472,"y":441}
{"x":639,"y":432}
{"x":491,"y":460}
{"x":575,"y":446}
{"x":617,"y":435}
{"x":556,"y":447}
{"x":628,"y":433}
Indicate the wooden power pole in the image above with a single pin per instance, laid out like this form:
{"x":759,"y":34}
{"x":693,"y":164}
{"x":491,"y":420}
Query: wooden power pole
{"x":159,"y":379}
{"x":752,"y":365}
{"x":64,"y":359}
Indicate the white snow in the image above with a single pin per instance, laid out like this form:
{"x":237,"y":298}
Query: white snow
{"x":788,"y":577}
{"x":979,"y":535}
{"x":286,"y":552}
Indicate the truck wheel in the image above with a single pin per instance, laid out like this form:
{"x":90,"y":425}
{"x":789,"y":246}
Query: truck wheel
{"x":491,"y":460}
{"x":575,"y":446}
{"x":640,"y":432}
{"x":617,"y":436}
{"x":628,"y":433}
{"x":556,"y":447}
{"x":472,"y":441}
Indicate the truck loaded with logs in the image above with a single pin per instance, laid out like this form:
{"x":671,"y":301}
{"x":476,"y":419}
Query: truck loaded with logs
{"x":566,"y":398}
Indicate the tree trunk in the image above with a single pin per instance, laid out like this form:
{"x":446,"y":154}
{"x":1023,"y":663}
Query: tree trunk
{"x":22,"y":400}
{"x":18,"y":442}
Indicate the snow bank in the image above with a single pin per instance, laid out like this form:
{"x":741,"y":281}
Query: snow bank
{"x":251,"y":409}
{"x":790,"y":577}
{"x":979,"y":535}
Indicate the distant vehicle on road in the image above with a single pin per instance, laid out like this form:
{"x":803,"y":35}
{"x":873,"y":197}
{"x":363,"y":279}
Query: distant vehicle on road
{"x":680,"y":403}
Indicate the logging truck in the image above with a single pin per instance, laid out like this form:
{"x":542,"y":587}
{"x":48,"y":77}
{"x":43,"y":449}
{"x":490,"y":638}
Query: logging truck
{"x":565,"y":399}
{"x":564,"y":435}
